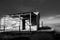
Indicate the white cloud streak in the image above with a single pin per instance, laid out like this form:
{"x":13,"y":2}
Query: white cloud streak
{"x":53,"y":21}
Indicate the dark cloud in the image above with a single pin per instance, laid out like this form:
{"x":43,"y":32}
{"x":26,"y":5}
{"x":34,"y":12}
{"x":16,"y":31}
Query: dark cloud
{"x":45,"y":7}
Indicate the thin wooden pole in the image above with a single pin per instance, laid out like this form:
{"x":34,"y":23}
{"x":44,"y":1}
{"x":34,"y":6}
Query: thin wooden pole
{"x":30,"y":21}
{"x":19,"y":23}
{"x":42,"y":23}
{"x":4,"y":24}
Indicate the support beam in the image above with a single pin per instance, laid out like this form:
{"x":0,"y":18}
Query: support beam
{"x":19,"y":23}
{"x":4,"y":24}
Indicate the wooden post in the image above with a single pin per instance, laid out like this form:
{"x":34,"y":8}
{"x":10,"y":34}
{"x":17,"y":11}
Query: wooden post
{"x":4,"y":24}
{"x":19,"y":23}
{"x":42,"y":23}
{"x":30,"y":21}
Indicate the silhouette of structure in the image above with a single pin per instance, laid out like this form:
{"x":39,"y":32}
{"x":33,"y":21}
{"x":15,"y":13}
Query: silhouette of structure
{"x":23,"y":25}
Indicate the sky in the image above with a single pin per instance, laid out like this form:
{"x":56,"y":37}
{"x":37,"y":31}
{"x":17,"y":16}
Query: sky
{"x":49,"y":9}
{"x":45,"y":7}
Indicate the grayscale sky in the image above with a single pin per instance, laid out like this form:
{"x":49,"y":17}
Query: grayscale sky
{"x":45,"y":7}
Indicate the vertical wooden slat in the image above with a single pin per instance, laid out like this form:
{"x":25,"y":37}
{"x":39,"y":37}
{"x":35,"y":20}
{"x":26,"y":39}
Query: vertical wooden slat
{"x":4,"y":24}
{"x":19,"y":23}
{"x":30,"y":21}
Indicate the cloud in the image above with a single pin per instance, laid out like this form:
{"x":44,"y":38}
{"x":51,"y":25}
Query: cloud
{"x":53,"y":21}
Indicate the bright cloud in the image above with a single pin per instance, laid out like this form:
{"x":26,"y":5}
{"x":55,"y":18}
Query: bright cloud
{"x":53,"y":21}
